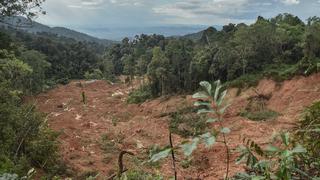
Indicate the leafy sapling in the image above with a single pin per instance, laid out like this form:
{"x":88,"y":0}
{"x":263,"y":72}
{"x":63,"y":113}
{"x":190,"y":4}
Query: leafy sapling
{"x":211,"y":103}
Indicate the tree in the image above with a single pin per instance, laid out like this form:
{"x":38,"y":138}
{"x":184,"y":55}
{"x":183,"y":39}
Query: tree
{"x":37,"y":61}
{"x":27,"y":8}
{"x":129,"y":66}
{"x":13,"y":71}
{"x":159,"y":71}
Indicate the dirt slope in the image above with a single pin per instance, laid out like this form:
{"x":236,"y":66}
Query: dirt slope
{"x":138,"y":127}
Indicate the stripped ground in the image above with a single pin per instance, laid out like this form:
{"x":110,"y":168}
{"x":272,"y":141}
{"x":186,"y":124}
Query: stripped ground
{"x":93,"y":134}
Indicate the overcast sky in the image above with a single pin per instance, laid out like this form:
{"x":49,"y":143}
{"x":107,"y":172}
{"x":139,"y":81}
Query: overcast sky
{"x":146,"y":13}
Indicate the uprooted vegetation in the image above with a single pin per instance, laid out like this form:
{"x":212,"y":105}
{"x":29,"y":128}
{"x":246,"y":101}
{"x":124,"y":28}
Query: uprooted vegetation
{"x":257,"y":109}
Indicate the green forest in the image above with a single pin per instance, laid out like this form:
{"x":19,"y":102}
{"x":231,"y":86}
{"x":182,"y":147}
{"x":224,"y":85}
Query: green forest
{"x":239,"y":55}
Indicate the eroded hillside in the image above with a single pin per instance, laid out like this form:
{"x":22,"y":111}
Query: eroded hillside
{"x":93,"y":134}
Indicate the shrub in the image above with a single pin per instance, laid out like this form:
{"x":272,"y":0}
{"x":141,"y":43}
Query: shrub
{"x":95,"y":74}
{"x":260,"y":115}
{"x":187,"y":124}
{"x":25,"y":139}
{"x":308,"y":133}
{"x":63,"y":81}
{"x":281,"y":72}
{"x":140,"y":95}
{"x":245,"y":81}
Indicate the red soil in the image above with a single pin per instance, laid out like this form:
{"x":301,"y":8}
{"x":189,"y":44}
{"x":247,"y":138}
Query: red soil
{"x":138,"y":127}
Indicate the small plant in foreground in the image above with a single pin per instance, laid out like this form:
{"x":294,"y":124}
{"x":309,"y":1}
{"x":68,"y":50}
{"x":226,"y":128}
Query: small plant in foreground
{"x":210,"y":102}
{"x":277,"y":161}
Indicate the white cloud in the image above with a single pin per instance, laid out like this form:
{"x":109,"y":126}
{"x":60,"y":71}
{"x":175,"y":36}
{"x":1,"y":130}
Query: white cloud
{"x":205,"y":11}
{"x":191,"y":8}
{"x":128,"y":2}
{"x":290,"y":2}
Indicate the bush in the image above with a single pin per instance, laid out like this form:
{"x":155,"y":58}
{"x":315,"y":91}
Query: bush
{"x":140,"y":95}
{"x":281,"y":72}
{"x":245,"y":81}
{"x":308,"y":66}
{"x":63,"y":81}
{"x":308,"y":133}
{"x":95,"y":74}
{"x":25,"y":139}
{"x":260,"y":115}
{"x":186,"y":123}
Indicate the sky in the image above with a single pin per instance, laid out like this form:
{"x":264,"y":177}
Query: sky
{"x":95,"y":15}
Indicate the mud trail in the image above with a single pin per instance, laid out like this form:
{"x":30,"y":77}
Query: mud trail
{"x":137,"y":127}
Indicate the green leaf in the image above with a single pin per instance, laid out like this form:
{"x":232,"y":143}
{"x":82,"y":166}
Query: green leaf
{"x":208,"y":139}
{"x":199,"y":103}
{"x":212,"y":120}
{"x":190,"y":147}
{"x":218,"y":87}
{"x":299,"y":149}
{"x":225,"y":130}
{"x":207,"y":86}
{"x":221,"y":98}
{"x":200,"y":95}
{"x":271,"y":148}
{"x":160,"y":155}
{"x":285,"y":138}
{"x":201,"y":111}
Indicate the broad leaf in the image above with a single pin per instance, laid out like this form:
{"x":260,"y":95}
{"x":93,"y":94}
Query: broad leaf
{"x":225,"y":130}
{"x":221,"y":98}
{"x":218,"y":87}
{"x":208,"y":139}
{"x":207,"y":86}
{"x":190,"y":147}
{"x":160,"y":155}
{"x":201,"y":111}
{"x":200,"y":95}
{"x":199,"y":103}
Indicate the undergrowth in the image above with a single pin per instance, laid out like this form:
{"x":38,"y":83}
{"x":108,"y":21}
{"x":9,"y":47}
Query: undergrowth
{"x":260,"y":115}
{"x":185,"y":122}
{"x":140,"y":95}
{"x":308,"y":133}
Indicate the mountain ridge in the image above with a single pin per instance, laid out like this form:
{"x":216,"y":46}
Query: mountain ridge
{"x":34,"y":27}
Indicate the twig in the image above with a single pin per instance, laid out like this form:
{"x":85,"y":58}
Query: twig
{"x":120,"y":162}
{"x":173,"y":156}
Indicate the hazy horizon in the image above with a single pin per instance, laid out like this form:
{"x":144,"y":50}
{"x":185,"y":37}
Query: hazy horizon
{"x":115,"y":19}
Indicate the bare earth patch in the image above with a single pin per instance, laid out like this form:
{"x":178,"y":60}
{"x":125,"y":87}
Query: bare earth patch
{"x":92,"y":134}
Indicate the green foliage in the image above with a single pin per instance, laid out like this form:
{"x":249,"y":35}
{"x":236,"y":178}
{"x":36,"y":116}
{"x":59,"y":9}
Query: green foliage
{"x":210,"y":101}
{"x":140,"y":175}
{"x":20,"y":8}
{"x":260,"y":115}
{"x":185,"y":123}
{"x":37,"y":61}
{"x":308,"y":134}
{"x":95,"y":74}
{"x":140,"y":95}
{"x":279,"y":160}
{"x":26,"y":140}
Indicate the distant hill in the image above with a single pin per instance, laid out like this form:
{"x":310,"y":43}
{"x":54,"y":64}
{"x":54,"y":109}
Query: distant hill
{"x":24,"y":24}
{"x":198,"y":35}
